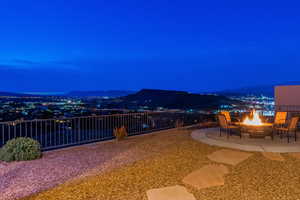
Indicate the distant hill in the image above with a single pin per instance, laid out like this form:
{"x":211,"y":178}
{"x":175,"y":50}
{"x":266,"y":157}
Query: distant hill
{"x":100,"y":93}
{"x":12,"y":94}
{"x":173,"y":100}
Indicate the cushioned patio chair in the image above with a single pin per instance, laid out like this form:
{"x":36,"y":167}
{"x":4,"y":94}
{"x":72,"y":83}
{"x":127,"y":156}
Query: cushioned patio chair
{"x":227,"y":128}
{"x":280,"y":119}
{"x":290,"y":129}
{"x":227,"y":116}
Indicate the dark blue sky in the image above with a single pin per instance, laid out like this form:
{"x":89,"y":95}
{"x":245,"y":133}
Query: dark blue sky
{"x":55,"y":45}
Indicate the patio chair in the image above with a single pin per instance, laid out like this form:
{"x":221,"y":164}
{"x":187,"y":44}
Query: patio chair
{"x":227,"y":116}
{"x":280,"y":119}
{"x":291,"y":128}
{"x":227,"y":128}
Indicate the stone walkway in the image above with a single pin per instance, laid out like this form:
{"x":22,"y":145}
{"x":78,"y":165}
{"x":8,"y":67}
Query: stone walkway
{"x":213,"y":175}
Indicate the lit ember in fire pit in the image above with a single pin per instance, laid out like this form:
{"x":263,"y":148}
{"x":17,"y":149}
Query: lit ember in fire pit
{"x":254,"y":121}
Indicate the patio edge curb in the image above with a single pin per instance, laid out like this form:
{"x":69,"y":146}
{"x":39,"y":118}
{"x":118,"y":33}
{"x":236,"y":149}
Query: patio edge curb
{"x":200,"y":135}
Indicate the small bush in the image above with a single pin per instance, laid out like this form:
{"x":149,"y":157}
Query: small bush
{"x":21,"y":148}
{"x":120,"y":133}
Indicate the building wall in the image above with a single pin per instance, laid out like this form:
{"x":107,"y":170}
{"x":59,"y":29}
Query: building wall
{"x":287,"y":97}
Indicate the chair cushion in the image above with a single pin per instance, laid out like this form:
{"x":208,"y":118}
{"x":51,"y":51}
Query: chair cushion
{"x":282,"y":129}
{"x":233,"y":127}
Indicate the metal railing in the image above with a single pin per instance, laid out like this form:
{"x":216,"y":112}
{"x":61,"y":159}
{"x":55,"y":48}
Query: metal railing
{"x":287,"y":108}
{"x":58,"y":133}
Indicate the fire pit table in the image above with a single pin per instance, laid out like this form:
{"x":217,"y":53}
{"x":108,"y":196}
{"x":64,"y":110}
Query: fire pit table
{"x":255,"y":127}
{"x":259,"y":131}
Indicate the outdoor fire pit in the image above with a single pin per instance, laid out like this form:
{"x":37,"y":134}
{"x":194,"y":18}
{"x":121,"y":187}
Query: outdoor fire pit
{"x":255,"y":127}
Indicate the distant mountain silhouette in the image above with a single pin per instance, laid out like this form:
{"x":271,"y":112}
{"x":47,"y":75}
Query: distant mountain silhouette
{"x":100,"y":93}
{"x":12,"y":94}
{"x":267,"y":90}
{"x":173,"y":100}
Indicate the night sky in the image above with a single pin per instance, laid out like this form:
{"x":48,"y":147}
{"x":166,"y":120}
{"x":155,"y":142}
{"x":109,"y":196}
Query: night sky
{"x":58,"y":46}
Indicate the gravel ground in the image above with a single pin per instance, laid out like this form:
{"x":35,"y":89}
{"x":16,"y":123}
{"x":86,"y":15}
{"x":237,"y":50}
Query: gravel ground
{"x":256,"y":178}
{"x":20,"y":179}
{"x":167,"y":158}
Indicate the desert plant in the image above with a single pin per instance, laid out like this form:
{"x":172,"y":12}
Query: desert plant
{"x":179,"y":123}
{"x":120,"y":133}
{"x":21,"y":148}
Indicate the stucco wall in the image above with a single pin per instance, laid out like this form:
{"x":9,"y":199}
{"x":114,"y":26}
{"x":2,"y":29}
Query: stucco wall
{"x":287,"y":95}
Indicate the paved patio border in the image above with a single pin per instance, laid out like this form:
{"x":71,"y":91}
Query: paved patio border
{"x":200,"y":135}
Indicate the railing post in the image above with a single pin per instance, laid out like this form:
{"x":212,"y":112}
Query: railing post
{"x":79,"y":129}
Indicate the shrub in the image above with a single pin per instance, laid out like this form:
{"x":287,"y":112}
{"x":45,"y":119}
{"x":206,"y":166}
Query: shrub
{"x":21,"y":148}
{"x":120,"y":133}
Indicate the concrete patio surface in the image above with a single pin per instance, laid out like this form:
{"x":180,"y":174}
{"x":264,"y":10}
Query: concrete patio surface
{"x":211,"y":136}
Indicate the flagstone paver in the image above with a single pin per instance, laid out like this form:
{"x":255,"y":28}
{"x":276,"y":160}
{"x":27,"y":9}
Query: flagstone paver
{"x":229,"y":156}
{"x":295,"y":155}
{"x":207,"y":176}
{"x":170,"y":193}
{"x":273,"y":156}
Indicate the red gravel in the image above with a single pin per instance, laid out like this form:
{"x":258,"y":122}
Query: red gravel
{"x":20,"y":179}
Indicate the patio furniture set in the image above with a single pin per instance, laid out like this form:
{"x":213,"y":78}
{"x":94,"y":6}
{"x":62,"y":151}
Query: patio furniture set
{"x":281,"y":126}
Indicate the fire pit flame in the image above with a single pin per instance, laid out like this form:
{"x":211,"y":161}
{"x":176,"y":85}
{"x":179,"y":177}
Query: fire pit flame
{"x":255,"y":121}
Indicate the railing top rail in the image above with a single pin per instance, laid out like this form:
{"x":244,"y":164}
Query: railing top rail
{"x":288,"y":108}
{"x":287,"y":105}
{"x":82,"y":117}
